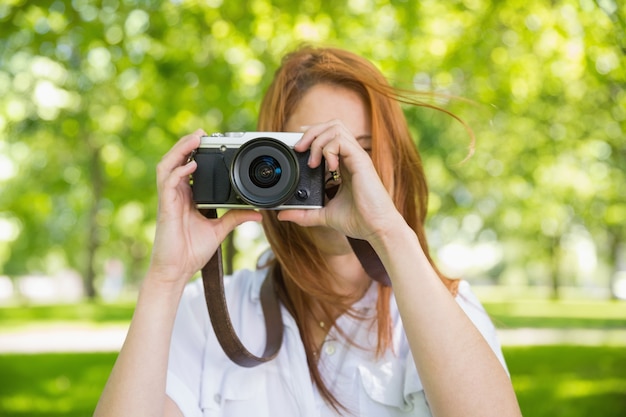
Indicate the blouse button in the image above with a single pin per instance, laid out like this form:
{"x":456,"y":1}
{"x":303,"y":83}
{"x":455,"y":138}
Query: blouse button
{"x":329,"y":349}
{"x":217,"y":398}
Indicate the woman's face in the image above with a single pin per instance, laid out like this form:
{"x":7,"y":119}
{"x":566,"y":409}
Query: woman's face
{"x":325,"y":102}
{"x":322,"y":103}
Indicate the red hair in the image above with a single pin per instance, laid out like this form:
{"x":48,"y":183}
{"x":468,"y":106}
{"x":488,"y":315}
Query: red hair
{"x":303,"y":281}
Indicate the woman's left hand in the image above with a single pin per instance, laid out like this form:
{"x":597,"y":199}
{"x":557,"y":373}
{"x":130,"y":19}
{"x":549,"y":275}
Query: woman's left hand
{"x":362,"y":207}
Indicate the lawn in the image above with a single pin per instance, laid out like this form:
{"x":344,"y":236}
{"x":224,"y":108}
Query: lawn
{"x":568,"y":381}
{"x":541,"y":313}
{"x":505,"y":314}
{"x":52,"y":385}
{"x":553,"y":381}
{"x":93,"y":313}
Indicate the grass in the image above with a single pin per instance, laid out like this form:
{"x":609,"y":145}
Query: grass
{"x":568,"y":381}
{"x":559,"y":314}
{"x":505,"y":314}
{"x":96,"y":313}
{"x":52,"y":385}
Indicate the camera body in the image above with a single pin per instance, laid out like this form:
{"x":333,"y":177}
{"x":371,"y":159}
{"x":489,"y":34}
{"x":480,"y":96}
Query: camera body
{"x":255,"y":170}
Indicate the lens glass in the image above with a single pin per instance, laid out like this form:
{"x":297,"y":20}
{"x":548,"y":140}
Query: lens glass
{"x":265,"y":171}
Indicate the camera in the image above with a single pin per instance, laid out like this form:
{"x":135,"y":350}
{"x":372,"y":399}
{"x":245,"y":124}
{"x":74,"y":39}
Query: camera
{"x":255,"y":170}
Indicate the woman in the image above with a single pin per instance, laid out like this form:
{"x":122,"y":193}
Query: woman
{"x":422,"y":346}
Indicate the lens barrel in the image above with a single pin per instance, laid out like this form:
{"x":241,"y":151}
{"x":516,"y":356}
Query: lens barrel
{"x":265,"y":172}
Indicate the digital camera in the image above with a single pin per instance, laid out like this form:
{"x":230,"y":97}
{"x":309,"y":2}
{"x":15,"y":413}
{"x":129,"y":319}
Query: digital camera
{"x":255,"y":170}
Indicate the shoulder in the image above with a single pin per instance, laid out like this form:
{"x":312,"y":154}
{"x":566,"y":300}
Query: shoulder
{"x":469,"y":302}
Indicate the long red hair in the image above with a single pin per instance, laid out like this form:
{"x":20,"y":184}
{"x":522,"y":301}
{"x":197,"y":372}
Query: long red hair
{"x":303,"y":277}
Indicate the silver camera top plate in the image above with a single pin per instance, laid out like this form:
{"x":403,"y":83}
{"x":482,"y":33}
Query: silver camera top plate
{"x":236,"y":139}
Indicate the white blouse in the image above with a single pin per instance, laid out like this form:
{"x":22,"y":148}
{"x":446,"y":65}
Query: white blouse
{"x":202,"y":381}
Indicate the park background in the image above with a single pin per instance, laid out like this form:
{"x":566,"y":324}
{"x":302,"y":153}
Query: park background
{"x":93,"y":93}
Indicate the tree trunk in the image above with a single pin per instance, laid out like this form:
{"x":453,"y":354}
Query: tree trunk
{"x":555,"y":260}
{"x":616,"y":260}
{"x":93,"y":240}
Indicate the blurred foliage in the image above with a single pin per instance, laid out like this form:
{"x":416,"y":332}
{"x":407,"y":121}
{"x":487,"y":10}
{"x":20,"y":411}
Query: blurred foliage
{"x":93,"y":93}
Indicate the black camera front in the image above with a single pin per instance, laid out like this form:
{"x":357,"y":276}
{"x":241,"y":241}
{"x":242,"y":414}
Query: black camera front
{"x":255,"y":170}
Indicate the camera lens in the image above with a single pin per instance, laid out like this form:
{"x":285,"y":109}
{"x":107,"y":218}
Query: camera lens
{"x":265,"y":171}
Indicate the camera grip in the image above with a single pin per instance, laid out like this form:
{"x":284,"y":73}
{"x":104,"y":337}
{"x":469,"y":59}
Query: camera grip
{"x":208,"y":180}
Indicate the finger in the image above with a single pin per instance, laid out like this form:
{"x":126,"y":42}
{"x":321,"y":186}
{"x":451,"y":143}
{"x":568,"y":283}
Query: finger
{"x":180,"y":152}
{"x":185,"y":146}
{"x":335,"y":149}
{"x":305,"y":218}
{"x":315,"y":131}
{"x":331,"y":153}
{"x":321,"y":145}
{"x":179,"y":175}
{"x":233,"y":218}
{"x":311,"y":133}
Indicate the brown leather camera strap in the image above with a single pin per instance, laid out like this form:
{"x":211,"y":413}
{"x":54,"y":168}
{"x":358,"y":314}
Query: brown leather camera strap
{"x":213,"y":280}
{"x":370,"y":261}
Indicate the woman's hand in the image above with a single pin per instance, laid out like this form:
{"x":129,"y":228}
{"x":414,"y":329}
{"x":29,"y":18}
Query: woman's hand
{"x":362,"y":207}
{"x":185,"y":240}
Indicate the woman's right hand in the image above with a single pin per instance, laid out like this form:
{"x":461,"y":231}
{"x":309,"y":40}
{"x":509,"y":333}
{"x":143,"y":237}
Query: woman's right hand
{"x":185,"y":240}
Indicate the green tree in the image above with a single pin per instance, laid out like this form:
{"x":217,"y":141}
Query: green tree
{"x":92,"y":93}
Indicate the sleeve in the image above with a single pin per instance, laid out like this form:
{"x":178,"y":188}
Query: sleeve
{"x":477,"y":314}
{"x":184,"y":376}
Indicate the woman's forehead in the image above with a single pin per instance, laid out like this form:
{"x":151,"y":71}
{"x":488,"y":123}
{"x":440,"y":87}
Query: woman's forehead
{"x":325,"y":102}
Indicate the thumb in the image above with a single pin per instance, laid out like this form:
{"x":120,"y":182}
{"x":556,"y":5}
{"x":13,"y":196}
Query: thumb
{"x":305,"y":218}
{"x":233,"y":218}
{"x":237,"y":217}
